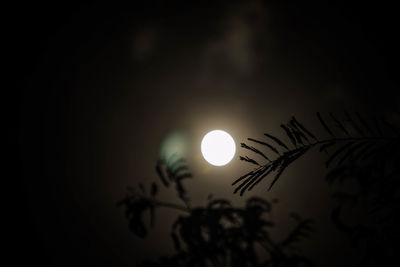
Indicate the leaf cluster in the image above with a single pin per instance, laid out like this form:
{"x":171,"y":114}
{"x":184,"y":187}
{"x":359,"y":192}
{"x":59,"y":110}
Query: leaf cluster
{"x":350,"y":138}
{"x":222,"y":235}
{"x":218,"y":233}
{"x":373,"y":202}
{"x":138,"y":202}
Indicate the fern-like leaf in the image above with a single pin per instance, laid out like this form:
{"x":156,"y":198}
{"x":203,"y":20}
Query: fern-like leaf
{"x":289,"y":134}
{"x":339,"y":124}
{"x":279,"y":142}
{"x":324,"y":124}
{"x":254,"y":150}
{"x":249,"y":160}
{"x":264,"y":144}
{"x":344,"y":146}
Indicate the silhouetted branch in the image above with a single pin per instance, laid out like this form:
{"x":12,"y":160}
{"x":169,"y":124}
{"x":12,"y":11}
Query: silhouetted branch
{"x":171,"y":205}
{"x":217,"y":234}
{"x":345,"y":148}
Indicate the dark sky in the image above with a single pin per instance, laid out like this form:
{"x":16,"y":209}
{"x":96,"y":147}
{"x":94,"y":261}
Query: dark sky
{"x":99,"y":87}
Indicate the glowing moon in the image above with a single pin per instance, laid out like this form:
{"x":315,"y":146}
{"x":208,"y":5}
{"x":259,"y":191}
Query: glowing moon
{"x":218,"y":148}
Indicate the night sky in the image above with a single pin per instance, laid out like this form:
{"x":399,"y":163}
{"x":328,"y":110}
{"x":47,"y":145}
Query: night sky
{"x":99,"y":89}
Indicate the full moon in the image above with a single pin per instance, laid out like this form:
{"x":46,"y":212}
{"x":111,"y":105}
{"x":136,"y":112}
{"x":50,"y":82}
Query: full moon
{"x":218,"y":148}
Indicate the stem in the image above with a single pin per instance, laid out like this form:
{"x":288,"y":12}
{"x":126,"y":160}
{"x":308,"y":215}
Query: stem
{"x":337,"y":140}
{"x":171,"y":205}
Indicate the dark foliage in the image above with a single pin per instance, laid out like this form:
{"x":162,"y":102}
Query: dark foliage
{"x":352,"y":139}
{"x":364,"y":158}
{"x":217,"y":234}
{"x":367,"y":195}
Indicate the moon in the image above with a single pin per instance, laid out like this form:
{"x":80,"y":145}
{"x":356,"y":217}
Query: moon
{"x":218,"y":147}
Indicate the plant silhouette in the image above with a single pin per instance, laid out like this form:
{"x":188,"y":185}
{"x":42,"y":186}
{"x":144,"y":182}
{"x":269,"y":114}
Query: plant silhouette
{"x":363,"y":157}
{"x":365,"y":179}
{"x":354,"y":142}
{"x":217,"y":234}
{"x":367,"y":198}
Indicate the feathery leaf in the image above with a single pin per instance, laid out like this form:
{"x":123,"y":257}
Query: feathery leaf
{"x":183,"y":176}
{"x":363,"y":151}
{"x":254,"y":150}
{"x":242,"y":177}
{"x":264,"y":144}
{"x":337,"y":152}
{"x":279,"y":142}
{"x":243,"y":184}
{"x":365,"y":124}
{"x":260,"y":178}
{"x":177,"y":170}
{"x":250,"y":182}
{"x":289,"y":133}
{"x":249,"y":160}
{"x":287,"y":162}
{"x":176,"y":163}
{"x":303,"y":128}
{"x":161,"y":175}
{"x":298,"y":135}
{"x":351,"y":151}
{"x":324,"y":124}
{"x":325,"y":146}
{"x":354,"y":124}
{"x":339,"y":124}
